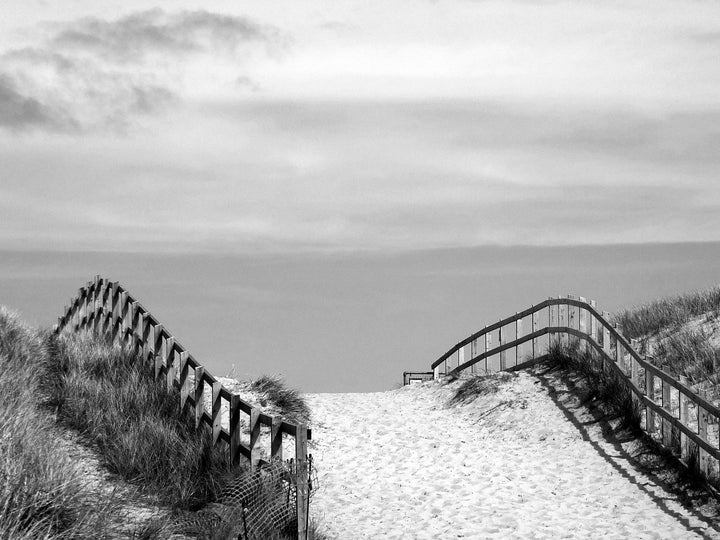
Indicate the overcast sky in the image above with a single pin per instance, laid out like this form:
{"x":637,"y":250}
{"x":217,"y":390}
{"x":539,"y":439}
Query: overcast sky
{"x":290,"y":126}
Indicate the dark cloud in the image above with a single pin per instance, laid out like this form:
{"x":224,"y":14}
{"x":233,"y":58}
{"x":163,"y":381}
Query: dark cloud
{"x":19,"y":111}
{"x":94,"y":74}
{"x":133,"y":37}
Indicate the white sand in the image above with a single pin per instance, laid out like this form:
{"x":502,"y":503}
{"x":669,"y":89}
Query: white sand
{"x":400,"y":464}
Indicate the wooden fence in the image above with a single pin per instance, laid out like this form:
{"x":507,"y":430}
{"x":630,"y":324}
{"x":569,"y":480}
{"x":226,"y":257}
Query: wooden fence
{"x":681,"y":419}
{"x":106,"y":308}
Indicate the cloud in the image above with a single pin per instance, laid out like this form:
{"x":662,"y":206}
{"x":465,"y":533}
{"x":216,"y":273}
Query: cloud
{"x":137,"y":36}
{"x":91,"y":73}
{"x":19,"y":111}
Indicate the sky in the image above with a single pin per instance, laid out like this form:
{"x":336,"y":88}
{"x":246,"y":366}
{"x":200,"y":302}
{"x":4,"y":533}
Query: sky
{"x":325,"y":185}
{"x":282,"y":127}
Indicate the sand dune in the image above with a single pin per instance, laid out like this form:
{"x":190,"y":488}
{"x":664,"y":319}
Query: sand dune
{"x":401,"y":464}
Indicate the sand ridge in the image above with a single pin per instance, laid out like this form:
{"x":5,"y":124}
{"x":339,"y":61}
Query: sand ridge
{"x":403,"y":465}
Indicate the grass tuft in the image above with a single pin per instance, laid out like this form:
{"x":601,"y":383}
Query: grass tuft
{"x":479,"y":385}
{"x":288,"y":401}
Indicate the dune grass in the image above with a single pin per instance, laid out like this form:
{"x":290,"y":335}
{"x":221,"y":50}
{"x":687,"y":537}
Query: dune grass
{"x":668,"y":313}
{"x":606,"y":385}
{"x":288,"y":401}
{"x":691,"y":354}
{"x":110,"y":395}
{"x":42,"y":494}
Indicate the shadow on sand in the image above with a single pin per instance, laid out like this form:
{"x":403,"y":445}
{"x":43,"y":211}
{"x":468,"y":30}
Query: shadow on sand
{"x":570,"y":401}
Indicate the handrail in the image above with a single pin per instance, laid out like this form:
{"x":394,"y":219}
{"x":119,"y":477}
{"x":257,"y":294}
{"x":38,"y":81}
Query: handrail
{"x":683,"y":433}
{"x":105,"y":307}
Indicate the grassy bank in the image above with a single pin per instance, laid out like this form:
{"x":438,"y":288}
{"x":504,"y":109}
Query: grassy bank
{"x":667,"y":313}
{"x":42,"y":494}
{"x":683,"y":351}
{"x":109,"y":396}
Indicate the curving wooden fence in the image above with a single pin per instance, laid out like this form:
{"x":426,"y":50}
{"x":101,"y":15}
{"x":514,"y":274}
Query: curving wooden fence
{"x":682,"y":420}
{"x":105,"y":307}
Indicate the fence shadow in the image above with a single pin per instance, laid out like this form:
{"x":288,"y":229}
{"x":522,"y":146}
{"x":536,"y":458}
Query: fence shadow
{"x":569,"y":400}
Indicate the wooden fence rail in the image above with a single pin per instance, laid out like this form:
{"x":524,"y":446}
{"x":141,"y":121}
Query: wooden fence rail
{"x":681,"y":419}
{"x":106,"y":308}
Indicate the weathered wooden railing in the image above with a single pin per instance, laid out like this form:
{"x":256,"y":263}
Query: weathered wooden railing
{"x":107,"y":308}
{"x":681,"y":419}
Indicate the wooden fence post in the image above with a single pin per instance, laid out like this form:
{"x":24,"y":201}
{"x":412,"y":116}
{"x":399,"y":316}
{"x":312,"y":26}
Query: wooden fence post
{"x":500,"y":344}
{"x":128,"y":334}
{"x":473,"y":354}
{"x":114,"y":307}
{"x":666,"y":404}
{"x":158,"y":349}
{"x":518,"y":335}
{"x":562,"y":314}
{"x":254,"y":438}
{"x":276,"y":439}
{"x":234,"y":428}
{"x":650,"y":392}
{"x":606,"y":335}
{"x":170,"y":362}
{"x":703,"y":457}
{"x":684,"y":418}
{"x":216,"y":411}
{"x":461,"y":357}
{"x":535,"y":329}
{"x":184,"y":372}
{"x":198,"y":395}
{"x":634,"y":366}
{"x":620,"y":350}
{"x":488,"y":346}
{"x":301,"y":480}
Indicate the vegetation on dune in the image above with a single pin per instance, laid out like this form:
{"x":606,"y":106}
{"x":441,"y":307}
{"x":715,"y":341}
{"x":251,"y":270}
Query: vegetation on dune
{"x":690,"y":354}
{"x":109,"y":395}
{"x":42,"y":494}
{"x":478,"y":385}
{"x":288,"y":401}
{"x":605,"y":385}
{"x":666,"y":313}
{"x":683,"y":351}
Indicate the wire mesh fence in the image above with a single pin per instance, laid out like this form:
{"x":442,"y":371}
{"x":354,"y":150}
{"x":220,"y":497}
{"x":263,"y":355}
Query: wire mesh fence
{"x":257,"y":505}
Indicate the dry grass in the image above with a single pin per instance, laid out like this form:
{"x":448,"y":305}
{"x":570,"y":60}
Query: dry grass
{"x":42,"y":494}
{"x":109,"y":394}
{"x":478,"y":385}
{"x":288,"y":401}
{"x":668,"y":313}
{"x":689,"y":353}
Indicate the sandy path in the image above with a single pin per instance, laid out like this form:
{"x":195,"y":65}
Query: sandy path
{"x":401,"y":464}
